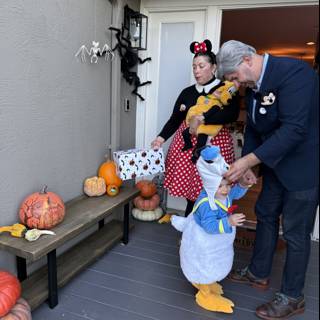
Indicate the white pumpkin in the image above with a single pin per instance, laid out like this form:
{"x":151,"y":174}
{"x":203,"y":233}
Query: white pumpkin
{"x":94,"y":187}
{"x":147,"y":215}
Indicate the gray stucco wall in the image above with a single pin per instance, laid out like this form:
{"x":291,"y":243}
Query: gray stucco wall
{"x":55,"y":112}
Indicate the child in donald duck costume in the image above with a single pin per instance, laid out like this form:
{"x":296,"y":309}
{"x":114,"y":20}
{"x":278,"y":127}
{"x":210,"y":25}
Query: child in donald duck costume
{"x":208,"y":233}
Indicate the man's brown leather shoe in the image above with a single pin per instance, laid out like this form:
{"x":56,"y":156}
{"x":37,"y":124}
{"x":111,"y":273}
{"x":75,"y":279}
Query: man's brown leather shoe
{"x":281,"y":307}
{"x":246,"y":277}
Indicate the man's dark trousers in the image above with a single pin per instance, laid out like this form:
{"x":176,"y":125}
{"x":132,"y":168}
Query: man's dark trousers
{"x":298,"y":209}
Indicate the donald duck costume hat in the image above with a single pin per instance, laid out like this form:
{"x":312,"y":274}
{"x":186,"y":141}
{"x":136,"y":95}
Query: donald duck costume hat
{"x":211,"y":167}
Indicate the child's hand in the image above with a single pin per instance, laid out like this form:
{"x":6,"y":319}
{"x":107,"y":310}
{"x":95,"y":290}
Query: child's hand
{"x":194,"y":123}
{"x":237,"y":219}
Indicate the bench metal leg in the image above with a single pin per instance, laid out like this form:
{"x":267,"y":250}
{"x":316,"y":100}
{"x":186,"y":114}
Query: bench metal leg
{"x":101,"y":224}
{"x":126,"y":210}
{"x":21,"y":268}
{"x":52,"y":279}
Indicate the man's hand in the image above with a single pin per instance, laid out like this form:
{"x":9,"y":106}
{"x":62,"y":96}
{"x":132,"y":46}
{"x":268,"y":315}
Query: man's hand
{"x":237,"y":219}
{"x":194,"y":123}
{"x":241,"y":166}
{"x":248,"y":179}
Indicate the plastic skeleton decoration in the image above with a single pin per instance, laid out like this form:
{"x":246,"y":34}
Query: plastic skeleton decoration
{"x":94,"y":52}
{"x":129,"y":59}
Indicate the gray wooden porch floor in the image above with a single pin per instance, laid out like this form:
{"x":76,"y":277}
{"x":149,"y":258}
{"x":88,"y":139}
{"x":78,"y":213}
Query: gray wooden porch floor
{"x":143,"y":281}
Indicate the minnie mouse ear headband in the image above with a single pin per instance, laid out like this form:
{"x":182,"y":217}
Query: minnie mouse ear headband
{"x":201,"y":47}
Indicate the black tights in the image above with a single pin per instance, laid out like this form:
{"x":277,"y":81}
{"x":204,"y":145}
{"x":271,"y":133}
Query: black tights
{"x":189,"y":207}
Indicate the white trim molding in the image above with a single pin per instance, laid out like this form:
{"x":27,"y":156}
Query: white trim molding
{"x":117,"y":6}
{"x":170,"y":5}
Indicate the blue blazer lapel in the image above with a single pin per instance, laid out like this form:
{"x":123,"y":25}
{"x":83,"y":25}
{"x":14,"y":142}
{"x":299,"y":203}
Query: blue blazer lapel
{"x":266,"y":81}
{"x":249,"y":102}
{"x":265,"y":86}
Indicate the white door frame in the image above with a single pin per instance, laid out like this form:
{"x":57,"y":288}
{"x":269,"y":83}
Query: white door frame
{"x":214,"y":9}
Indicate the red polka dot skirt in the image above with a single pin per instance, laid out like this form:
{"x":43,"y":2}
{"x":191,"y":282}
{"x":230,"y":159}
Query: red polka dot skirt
{"x":182,"y":178}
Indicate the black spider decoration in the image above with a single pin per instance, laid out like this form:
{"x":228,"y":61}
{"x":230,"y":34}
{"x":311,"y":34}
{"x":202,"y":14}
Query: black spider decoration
{"x":129,"y":59}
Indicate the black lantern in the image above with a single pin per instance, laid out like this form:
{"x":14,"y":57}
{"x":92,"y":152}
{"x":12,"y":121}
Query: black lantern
{"x":137,"y":25}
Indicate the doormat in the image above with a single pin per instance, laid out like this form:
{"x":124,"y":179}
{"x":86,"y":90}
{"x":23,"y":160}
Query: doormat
{"x":245,"y":240}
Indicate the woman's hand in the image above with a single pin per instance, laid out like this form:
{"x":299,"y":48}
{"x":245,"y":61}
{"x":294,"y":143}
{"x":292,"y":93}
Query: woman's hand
{"x":217,"y":94}
{"x":194,"y":123}
{"x":157,"y":143}
{"x":237,"y":219}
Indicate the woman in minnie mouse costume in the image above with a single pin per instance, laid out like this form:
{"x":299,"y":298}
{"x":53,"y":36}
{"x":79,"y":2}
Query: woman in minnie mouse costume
{"x":182,"y":178}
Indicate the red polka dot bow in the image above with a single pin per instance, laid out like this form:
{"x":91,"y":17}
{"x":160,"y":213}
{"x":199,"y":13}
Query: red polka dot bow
{"x":200,"y":47}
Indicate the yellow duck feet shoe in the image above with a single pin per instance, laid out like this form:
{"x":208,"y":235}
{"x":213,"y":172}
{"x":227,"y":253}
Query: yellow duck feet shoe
{"x":214,"y":287}
{"x":212,"y":301}
{"x":165,"y":219}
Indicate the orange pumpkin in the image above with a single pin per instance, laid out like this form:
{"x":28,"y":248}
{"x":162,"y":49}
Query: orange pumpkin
{"x":112,"y":190}
{"x":147,"y":188}
{"x":108,"y":171}
{"x":10,"y":291}
{"x":20,"y":311}
{"x":147,"y":204}
{"x":42,"y":210}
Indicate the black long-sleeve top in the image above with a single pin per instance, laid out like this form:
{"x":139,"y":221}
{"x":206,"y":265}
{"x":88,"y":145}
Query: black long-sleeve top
{"x":189,"y":97}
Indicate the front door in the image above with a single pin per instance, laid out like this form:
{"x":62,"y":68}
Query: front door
{"x":170,"y":71}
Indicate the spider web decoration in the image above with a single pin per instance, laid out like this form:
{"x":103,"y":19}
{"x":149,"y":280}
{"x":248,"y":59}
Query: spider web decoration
{"x":94,"y":52}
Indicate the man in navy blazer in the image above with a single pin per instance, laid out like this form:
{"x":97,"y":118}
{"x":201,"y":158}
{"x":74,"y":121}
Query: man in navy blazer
{"x":282,"y":135}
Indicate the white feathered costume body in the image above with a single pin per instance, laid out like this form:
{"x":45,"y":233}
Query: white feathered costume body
{"x":205,"y":258}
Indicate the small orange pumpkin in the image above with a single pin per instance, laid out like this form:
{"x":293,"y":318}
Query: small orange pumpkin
{"x":94,"y":186}
{"x":147,"y":204}
{"x":20,"y":311}
{"x":108,"y":171}
{"x":112,"y":190}
{"x":147,"y":188}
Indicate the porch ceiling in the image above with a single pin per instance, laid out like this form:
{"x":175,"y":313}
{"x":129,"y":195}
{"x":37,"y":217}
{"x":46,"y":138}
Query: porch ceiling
{"x":279,"y":31}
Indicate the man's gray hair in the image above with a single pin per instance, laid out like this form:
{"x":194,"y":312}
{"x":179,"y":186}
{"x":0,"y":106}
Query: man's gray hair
{"x":231,"y":55}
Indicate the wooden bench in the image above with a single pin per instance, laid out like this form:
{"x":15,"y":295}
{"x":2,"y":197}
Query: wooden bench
{"x":81,"y":214}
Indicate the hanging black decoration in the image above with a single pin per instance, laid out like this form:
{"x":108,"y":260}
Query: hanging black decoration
{"x":129,"y":59}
